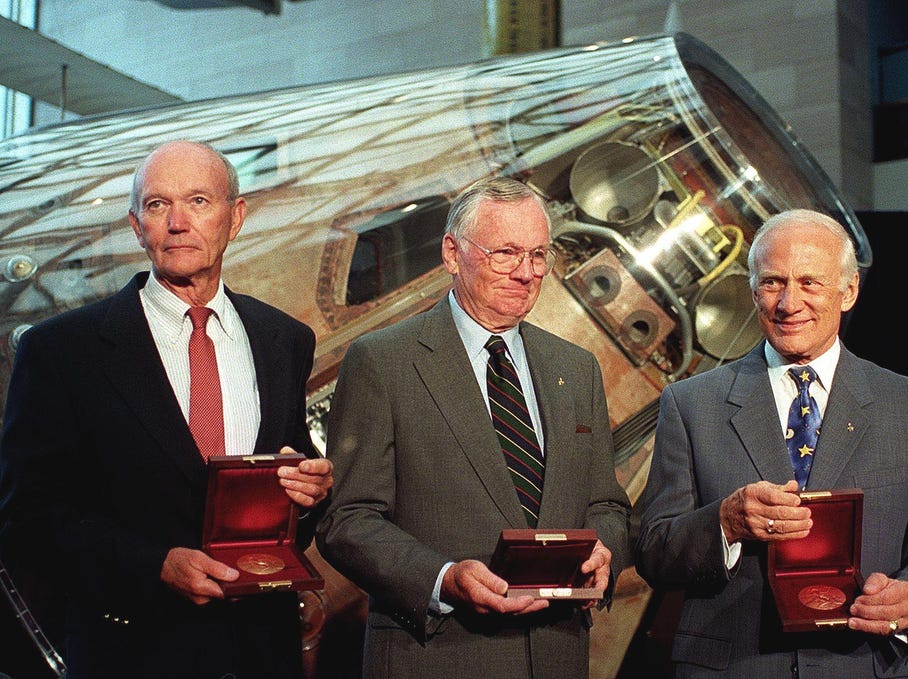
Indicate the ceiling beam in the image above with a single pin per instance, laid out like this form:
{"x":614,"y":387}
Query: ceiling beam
{"x":265,"y":6}
{"x":35,"y":65}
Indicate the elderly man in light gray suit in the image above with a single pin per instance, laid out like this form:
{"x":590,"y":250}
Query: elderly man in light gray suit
{"x":422,"y":489}
{"x":722,"y":485}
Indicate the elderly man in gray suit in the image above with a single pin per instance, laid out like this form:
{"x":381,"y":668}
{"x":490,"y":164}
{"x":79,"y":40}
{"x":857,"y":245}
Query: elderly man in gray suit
{"x":423,"y":490}
{"x":722,"y":485}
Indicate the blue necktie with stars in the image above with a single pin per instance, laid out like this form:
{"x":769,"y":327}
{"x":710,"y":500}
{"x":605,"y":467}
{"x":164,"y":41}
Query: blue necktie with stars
{"x":803,"y":425}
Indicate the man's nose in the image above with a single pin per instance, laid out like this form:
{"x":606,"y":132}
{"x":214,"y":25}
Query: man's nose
{"x":789,"y":298}
{"x":524,"y":270}
{"x":177,"y":218}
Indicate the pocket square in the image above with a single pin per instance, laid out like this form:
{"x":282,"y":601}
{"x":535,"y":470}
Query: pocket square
{"x":584,"y":429}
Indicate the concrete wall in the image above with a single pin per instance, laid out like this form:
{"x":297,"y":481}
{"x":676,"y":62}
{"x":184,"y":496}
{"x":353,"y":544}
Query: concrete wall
{"x":808,"y":58}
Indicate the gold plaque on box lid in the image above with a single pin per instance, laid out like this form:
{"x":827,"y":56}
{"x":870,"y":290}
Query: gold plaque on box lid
{"x":260,"y":564}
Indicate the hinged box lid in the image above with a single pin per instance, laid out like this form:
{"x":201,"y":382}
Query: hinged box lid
{"x":814,"y":580}
{"x":250,"y":524}
{"x":545,"y":563}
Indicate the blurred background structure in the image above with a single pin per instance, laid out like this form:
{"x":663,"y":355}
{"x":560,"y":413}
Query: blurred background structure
{"x":835,"y":71}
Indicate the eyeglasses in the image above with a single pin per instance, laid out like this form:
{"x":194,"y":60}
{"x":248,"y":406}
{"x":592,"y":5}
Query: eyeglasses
{"x":507,"y":259}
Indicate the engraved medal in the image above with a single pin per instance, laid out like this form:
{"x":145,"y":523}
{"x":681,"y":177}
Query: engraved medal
{"x":260,"y":564}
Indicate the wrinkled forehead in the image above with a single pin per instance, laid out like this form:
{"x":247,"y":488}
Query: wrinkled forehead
{"x":182,"y":167}
{"x":521,"y":223}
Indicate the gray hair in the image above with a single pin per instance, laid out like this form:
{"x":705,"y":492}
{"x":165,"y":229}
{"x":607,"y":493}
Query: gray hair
{"x":848,"y":262}
{"x":462,"y":216}
{"x":233,"y":180}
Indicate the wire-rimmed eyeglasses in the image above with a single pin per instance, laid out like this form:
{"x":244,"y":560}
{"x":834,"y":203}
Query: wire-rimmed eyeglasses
{"x":506,"y":259}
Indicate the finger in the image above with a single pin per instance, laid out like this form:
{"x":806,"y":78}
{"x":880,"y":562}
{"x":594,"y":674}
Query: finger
{"x":885,"y":627}
{"x":313,"y":470}
{"x":318,"y":466}
{"x":778,"y":496}
{"x":788,"y":526}
{"x":895,"y":626}
{"x":790,"y":486}
{"x":307,"y":498}
{"x":533,"y":606}
{"x":600,"y":557}
{"x":875,"y":582}
{"x":223,"y":572}
{"x":206,"y":590}
{"x":209,"y":567}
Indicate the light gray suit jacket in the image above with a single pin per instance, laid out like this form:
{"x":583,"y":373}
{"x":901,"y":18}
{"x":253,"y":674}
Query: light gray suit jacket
{"x":420,"y":480}
{"x":719,"y":431}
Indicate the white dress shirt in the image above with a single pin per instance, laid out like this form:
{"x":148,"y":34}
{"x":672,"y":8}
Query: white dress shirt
{"x":474,"y":338}
{"x":170,"y":327}
{"x":784,"y":391}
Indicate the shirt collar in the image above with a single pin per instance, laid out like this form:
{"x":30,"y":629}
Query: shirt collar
{"x":824,"y":364}
{"x":170,"y":311}
{"x":474,"y":336}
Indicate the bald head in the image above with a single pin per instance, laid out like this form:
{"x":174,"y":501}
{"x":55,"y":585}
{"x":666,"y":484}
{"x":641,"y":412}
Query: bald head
{"x":183,"y":146}
{"x":185,"y":210}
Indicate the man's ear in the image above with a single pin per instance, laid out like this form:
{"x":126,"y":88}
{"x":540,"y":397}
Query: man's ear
{"x":449,"y":251}
{"x":136,"y":228}
{"x":850,"y":296}
{"x":237,"y":216}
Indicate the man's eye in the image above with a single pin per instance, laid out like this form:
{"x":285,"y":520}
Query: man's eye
{"x":539,"y":255}
{"x":507,"y":252}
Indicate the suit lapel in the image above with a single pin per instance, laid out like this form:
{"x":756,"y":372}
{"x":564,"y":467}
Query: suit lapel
{"x":846,"y":419}
{"x":445,"y":370}
{"x":130,"y":360}
{"x":269,"y":355}
{"x":556,"y":412}
{"x":756,"y":423}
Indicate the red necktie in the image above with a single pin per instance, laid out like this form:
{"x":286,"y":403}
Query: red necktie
{"x":206,"y":411}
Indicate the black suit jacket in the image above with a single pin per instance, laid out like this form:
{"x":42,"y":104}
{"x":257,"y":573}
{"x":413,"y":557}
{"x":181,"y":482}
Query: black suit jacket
{"x":100,"y":477}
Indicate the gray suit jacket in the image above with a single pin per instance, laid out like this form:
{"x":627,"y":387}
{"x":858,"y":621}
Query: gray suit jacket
{"x":719,"y":431}
{"x":420,"y":480}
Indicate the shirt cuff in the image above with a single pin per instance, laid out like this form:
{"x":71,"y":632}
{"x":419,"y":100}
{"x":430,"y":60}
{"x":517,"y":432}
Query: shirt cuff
{"x":731,"y":552}
{"x":436,"y":605}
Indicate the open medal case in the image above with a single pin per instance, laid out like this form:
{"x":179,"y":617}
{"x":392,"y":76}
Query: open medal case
{"x":250,"y":524}
{"x":545,"y":563}
{"x":816,"y":579}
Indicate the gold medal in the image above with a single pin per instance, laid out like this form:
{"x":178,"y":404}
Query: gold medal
{"x":821,"y":597}
{"x":260,"y":564}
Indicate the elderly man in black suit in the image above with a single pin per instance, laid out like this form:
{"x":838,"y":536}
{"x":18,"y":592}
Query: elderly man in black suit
{"x":100,"y":475}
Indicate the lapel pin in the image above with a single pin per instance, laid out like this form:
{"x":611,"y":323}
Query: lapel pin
{"x":850,"y":427}
{"x":560,"y":381}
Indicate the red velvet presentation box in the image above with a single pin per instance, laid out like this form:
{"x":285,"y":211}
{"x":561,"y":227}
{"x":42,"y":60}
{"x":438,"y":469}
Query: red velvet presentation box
{"x":250,"y":524}
{"x":545,"y":563}
{"x":816,"y":579}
